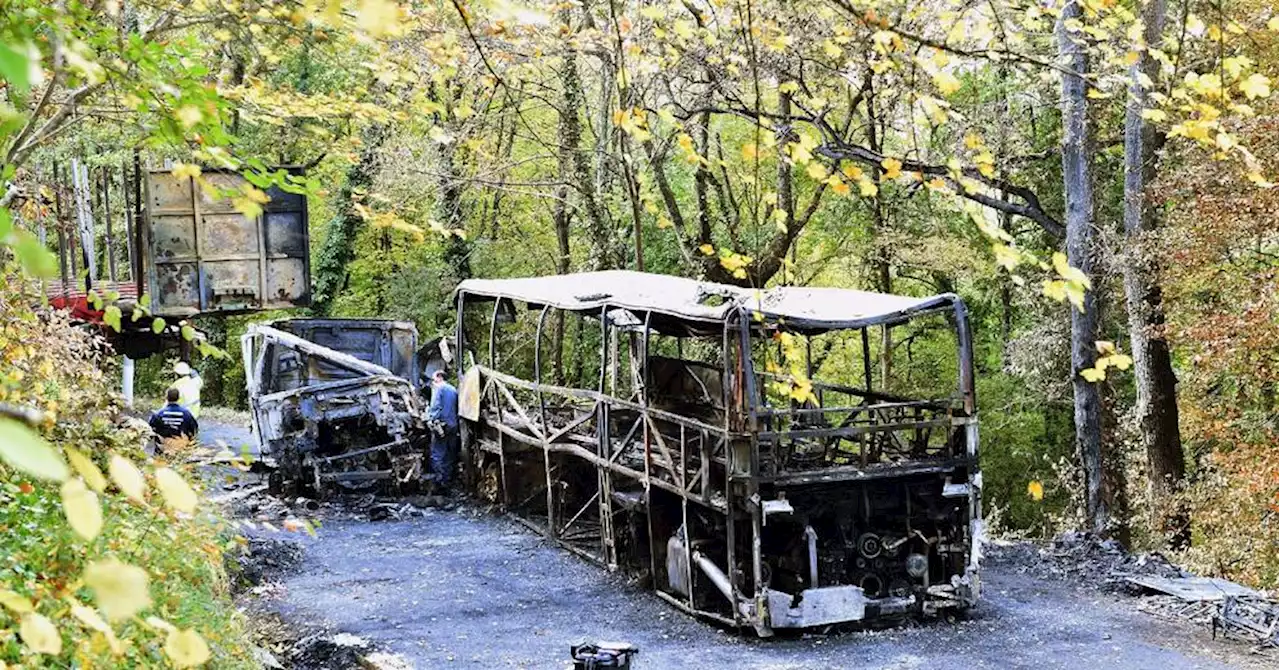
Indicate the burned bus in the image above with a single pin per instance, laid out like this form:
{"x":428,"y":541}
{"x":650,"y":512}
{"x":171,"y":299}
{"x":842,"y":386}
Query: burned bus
{"x":734,"y":449}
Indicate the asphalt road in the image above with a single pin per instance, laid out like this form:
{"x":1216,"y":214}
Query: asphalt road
{"x":465,"y":588}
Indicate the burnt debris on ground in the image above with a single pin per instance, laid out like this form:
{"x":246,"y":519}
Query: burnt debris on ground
{"x":1162,"y":588}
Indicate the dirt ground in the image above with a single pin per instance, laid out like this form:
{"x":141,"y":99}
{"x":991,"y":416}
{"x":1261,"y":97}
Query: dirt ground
{"x":461,"y":587}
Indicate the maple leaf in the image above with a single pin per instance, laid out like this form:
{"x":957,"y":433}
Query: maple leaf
{"x":892,"y":168}
{"x":1256,"y":86}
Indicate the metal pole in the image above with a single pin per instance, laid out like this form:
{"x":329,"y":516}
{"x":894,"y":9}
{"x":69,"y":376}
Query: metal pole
{"x":126,"y":381}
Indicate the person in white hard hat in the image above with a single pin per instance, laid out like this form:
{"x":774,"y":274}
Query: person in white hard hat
{"x":188,"y":384}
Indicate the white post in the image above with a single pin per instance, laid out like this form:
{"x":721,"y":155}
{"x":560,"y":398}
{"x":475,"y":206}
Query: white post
{"x":126,"y":382}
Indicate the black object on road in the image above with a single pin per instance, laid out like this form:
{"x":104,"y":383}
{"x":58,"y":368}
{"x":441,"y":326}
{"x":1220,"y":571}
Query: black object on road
{"x":587,"y":656}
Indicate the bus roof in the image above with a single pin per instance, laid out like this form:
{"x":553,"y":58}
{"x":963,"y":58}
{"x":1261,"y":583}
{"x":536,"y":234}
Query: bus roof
{"x":680,"y":306}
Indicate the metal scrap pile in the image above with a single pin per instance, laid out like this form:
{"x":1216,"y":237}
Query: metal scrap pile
{"x":1238,"y":613}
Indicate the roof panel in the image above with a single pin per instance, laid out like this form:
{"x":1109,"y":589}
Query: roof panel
{"x":696,"y":301}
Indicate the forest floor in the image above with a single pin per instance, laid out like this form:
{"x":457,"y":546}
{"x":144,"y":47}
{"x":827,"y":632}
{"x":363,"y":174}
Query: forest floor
{"x":430,"y":587}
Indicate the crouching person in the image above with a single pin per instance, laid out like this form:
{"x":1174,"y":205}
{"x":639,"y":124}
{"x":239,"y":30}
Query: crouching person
{"x":442,"y":418}
{"x":173,"y":420}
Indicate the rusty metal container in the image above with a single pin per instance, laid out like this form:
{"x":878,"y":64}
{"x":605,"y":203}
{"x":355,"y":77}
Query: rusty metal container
{"x":203,"y":256}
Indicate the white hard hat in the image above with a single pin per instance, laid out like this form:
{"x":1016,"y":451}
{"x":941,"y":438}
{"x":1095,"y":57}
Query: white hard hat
{"x":181,"y":368}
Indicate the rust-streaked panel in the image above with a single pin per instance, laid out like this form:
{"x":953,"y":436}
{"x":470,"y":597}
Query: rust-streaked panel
{"x":204,"y":256}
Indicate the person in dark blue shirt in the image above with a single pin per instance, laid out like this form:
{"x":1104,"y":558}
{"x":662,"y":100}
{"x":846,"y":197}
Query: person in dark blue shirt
{"x":173,"y":420}
{"x":442,"y":418}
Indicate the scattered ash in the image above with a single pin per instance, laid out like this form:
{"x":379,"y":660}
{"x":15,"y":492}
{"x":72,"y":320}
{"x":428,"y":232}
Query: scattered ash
{"x":266,"y":559}
{"x":1081,"y":558}
{"x":321,"y":651}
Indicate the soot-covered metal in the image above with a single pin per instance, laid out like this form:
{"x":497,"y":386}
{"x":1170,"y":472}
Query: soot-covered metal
{"x":335,"y":403}
{"x":661,"y":445}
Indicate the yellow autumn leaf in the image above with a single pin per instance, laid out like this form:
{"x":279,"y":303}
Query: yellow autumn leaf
{"x":817,"y":171}
{"x":892,"y":168}
{"x":1256,"y":86}
{"x":749,"y":151}
{"x":663,"y":224}
{"x":1154,"y":115}
{"x":92,"y":620}
{"x":707,"y":249}
{"x":1121,"y":361}
{"x":1258,"y":180}
{"x":176,"y":491}
{"x":946,"y":82}
{"x":1093,"y":375}
{"x":39,"y":634}
{"x":24,"y":449}
{"x":186,"y":648}
{"x":378,"y":18}
{"x":82,"y":509}
{"x":87,"y":469}
{"x":1055,"y":289}
{"x":127,"y":477}
{"x":15,"y":602}
{"x":1035,"y":489}
{"x":185,"y":170}
{"x":1105,"y":346}
{"x":853,"y":172}
{"x":121,"y":590}
{"x":189,"y":115}
{"x":867,"y":187}
{"x":1095,"y":94}
{"x":837,"y":184}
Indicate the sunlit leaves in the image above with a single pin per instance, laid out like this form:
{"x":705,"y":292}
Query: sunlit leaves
{"x":378,"y":18}
{"x":111,"y":316}
{"x":735,"y":263}
{"x":23,"y":449}
{"x":1035,"y":490}
{"x":121,"y":590}
{"x":81,"y":506}
{"x":15,"y":602}
{"x":175,"y":490}
{"x":39,"y":634}
{"x":892,"y":168}
{"x":127,"y":477}
{"x":185,"y":648}
{"x":1155,"y":115}
{"x":87,"y":469}
{"x":1071,"y":285}
{"x":93,"y":621}
{"x":1108,"y":357}
{"x":1255,"y":86}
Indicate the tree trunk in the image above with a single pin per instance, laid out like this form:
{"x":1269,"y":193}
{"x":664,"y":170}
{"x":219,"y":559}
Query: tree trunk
{"x":339,"y":245}
{"x":569,"y":136}
{"x":1077,"y":178}
{"x":1157,"y":405}
{"x":883,"y":260}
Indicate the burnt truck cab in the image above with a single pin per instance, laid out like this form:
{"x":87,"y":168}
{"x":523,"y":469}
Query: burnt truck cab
{"x":335,"y":402}
{"x":752,"y":455}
